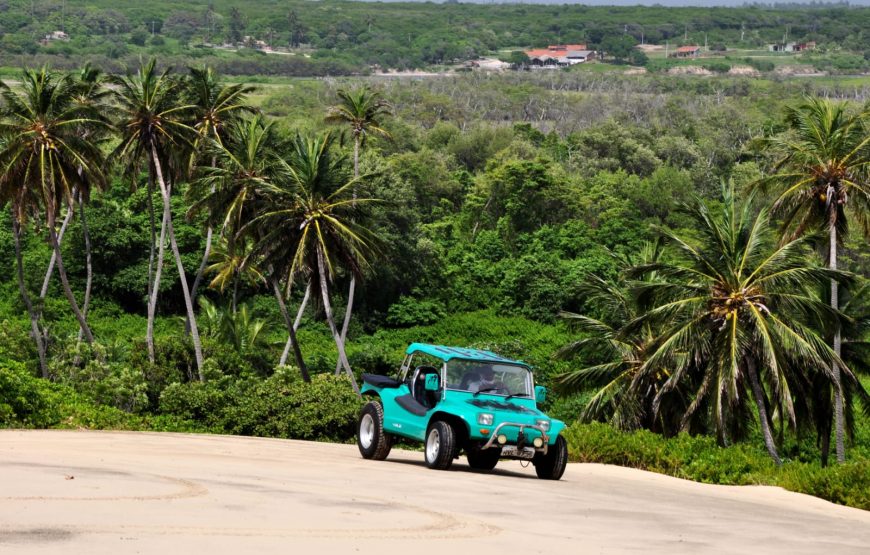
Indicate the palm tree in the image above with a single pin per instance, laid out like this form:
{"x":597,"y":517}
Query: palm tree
{"x":737,"y":314}
{"x":237,"y":328}
{"x":311,"y":226}
{"x":821,"y":176}
{"x":624,"y":395}
{"x":361,"y":109}
{"x":152,"y":123}
{"x":93,"y":95}
{"x":45,"y":152}
{"x":855,"y":331}
{"x":216,"y":105}
{"x":9,"y":192}
{"x":232,"y":266}
{"x":246,"y":163}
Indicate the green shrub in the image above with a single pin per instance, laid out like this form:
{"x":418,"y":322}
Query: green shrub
{"x":285,"y":406}
{"x":201,"y":402}
{"x":85,"y":368}
{"x":701,"y":459}
{"x":279,"y":406}
{"x":408,"y":311}
{"x":25,"y":400}
{"x":717,"y":67}
{"x":847,"y":484}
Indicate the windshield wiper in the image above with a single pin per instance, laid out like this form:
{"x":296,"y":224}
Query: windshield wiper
{"x":484,"y":390}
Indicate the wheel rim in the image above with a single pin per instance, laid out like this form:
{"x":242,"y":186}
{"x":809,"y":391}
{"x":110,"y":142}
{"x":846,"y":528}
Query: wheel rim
{"x":433,"y":445}
{"x":367,"y":431}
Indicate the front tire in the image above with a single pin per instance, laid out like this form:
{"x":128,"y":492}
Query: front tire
{"x":552,"y":465}
{"x":372,"y":441}
{"x":482,"y":459}
{"x":440,"y":446}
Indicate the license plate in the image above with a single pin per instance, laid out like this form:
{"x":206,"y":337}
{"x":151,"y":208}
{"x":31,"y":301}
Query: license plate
{"x":511,"y":451}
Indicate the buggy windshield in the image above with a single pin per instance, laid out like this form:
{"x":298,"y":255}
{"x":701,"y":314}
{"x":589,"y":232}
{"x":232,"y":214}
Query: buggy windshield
{"x":490,"y":378}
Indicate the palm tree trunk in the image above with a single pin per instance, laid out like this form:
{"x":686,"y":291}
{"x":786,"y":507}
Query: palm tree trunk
{"x":352,"y":289}
{"x":327,"y":308}
{"x":199,"y":273}
{"x":235,"y":290}
{"x":347,"y":314}
{"x":51,"y":263}
{"x":35,"y":332}
{"x":758,"y":393}
{"x":208,"y":238}
{"x":291,"y":339}
{"x":838,"y":382}
{"x":89,"y":280}
{"x":291,"y":330}
{"x":167,"y":214}
{"x":67,"y":291}
{"x":152,"y":299}
{"x":154,"y":290}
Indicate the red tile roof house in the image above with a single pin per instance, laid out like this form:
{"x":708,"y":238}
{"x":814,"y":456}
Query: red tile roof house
{"x":687,"y":52}
{"x":560,"y":55}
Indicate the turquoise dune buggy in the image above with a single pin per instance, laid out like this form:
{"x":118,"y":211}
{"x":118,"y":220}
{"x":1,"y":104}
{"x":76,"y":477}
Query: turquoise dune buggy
{"x":456,"y":400}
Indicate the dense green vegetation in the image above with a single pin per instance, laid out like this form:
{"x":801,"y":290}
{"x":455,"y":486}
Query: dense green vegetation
{"x":340,"y":37}
{"x":484,"y":207}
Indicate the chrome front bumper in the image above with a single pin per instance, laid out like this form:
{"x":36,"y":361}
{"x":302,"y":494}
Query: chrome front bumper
{"x":522,"y":427}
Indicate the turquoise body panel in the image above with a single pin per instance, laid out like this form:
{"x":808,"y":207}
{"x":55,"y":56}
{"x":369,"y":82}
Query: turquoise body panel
{"x":463,"y":405}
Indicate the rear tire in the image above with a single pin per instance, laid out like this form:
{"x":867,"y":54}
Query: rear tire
{"x":482,"y":459}
{"x":440,"y":447}
{"x":552,"y":465}
{"x":372,"y":441}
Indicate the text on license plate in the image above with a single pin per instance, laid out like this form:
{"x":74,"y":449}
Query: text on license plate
{"x":512,"y":451}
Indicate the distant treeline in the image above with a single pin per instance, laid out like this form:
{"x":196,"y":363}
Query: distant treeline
{"x":395,"y":35}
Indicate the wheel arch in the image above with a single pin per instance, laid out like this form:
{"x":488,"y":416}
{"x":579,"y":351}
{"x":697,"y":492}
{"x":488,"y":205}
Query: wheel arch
{"x":460,"y":426}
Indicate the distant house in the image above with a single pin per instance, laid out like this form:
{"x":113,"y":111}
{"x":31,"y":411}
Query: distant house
{"x":560,"y":55}
{"x":792,"y":46}
{"x":53,"y":36}
{"x":687,"y":52}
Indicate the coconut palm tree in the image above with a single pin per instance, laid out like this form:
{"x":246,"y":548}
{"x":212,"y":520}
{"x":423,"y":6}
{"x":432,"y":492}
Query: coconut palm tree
{"x":311,"y":225}
{"x":216,"y":105}
{"x":737,"y":315}
{"x":361,"y":109}
{"x":855,"y":331}
{"x":625,"y":396}
{"x":232,"y":266}
{"x":153,"y":127}
{"x":46,"y":153}
{"x":820,"y":180}
{"x":93,"y":95}
{"x":246,"y":163}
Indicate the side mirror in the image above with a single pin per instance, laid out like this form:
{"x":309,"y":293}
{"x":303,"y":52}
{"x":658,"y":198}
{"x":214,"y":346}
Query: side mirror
{"x":432,"y":382}
{"x":540,"y":394}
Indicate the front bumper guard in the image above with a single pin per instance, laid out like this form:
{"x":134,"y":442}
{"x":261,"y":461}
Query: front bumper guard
{"x":522,"y":427}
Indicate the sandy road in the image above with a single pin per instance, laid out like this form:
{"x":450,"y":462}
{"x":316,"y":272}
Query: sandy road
{"x":110,"y":492}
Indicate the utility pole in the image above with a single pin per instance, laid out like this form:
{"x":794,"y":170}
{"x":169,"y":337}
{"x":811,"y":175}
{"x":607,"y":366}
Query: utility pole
{"x":705,"y":42}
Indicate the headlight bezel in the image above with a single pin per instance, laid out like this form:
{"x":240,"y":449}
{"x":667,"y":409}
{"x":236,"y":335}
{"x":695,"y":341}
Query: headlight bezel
{"x":543,"y":423}
{"x":485,"y":418}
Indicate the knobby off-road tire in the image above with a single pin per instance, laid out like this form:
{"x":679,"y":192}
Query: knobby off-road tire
{"x":440,"y":448}
{"x":482,"y":459}
{"x":552,"y":465}
{"x":372,"y":441}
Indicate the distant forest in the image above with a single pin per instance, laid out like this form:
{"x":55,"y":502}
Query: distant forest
{"x":340,"y":37}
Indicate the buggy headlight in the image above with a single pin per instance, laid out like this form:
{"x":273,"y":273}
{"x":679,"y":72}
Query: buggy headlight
{"x":485,"y":419}
{"x":544,"y":424}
